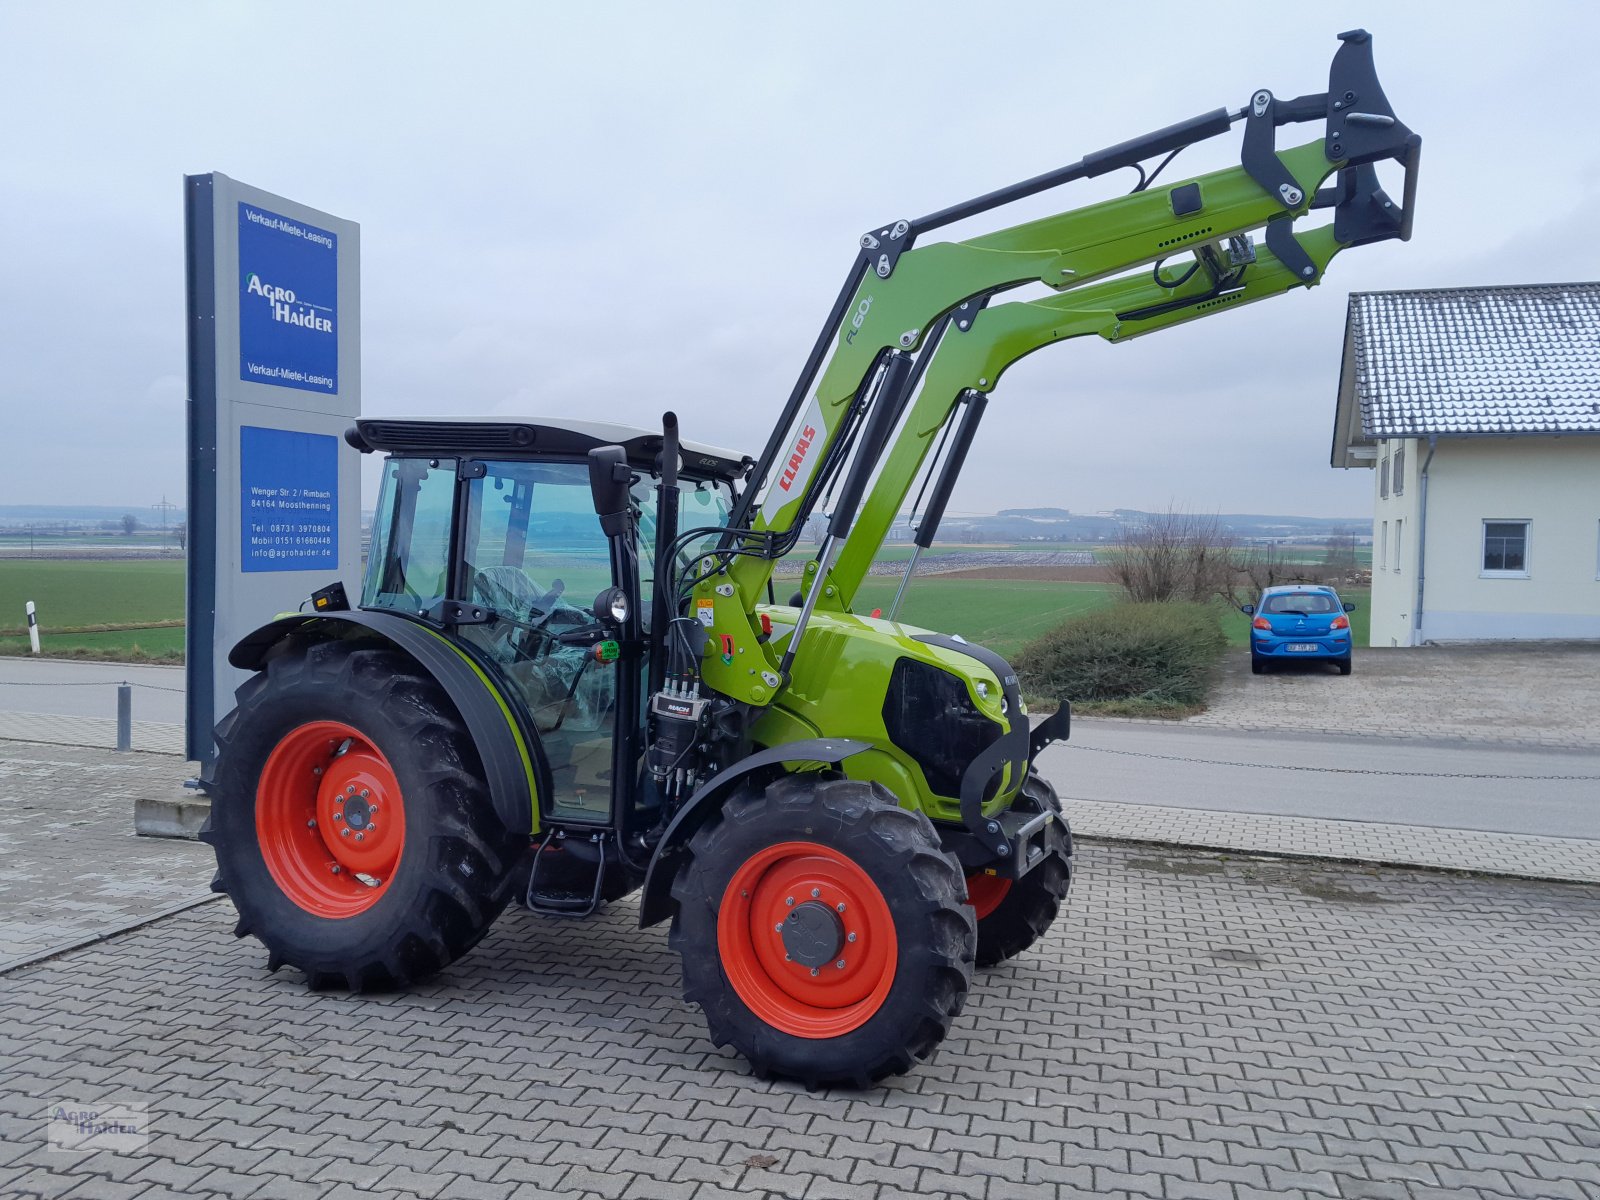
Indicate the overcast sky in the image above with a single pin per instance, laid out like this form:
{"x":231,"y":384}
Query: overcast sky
{"x":613,"y":209}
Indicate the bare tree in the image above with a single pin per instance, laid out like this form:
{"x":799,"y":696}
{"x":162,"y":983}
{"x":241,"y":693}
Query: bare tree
{"x":1175,"y":556}
{"x":181,"y":532}
{"x":1340,"y":558}
{"x":129,"y":524}
{"x":1265,"y":565}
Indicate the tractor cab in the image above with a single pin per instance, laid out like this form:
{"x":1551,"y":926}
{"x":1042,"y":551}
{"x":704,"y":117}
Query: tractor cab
{"x":486,"y":532}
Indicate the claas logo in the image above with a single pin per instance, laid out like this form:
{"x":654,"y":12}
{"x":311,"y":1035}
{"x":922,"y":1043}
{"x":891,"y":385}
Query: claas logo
{"x":801,"y":449}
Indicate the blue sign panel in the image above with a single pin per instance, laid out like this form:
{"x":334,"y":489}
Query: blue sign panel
{"x":288,"y":302}
{"x":288,"y":500}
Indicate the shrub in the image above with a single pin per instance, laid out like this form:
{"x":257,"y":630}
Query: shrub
{"x":1141,"y":657}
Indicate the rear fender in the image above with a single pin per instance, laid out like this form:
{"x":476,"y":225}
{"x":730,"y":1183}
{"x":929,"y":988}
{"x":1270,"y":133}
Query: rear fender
{"x":655,"y":902}
{"x":513,"y":761}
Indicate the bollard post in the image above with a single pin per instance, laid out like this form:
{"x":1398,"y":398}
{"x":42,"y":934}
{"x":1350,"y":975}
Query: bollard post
{"x":124,"y":716}
{"x":33,"y":626}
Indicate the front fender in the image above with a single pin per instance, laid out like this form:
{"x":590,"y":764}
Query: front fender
{"x":655,"y":901}
{"x":513,"y":761}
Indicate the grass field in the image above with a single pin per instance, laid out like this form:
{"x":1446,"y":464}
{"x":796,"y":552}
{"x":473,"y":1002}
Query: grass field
{"x":1001,"y":614}
{"x":73,"y":594}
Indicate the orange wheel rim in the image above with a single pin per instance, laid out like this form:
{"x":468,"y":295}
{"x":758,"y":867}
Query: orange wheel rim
{"x":807,"y":940}
{"x":329,"y":819}
{"x":985,"y":892}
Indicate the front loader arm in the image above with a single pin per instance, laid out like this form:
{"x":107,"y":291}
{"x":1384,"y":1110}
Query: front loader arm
{"x":1068,"y":250}
{"x":897,"y":294}
{"x":900,"y":299}
{"x":971,"y":363}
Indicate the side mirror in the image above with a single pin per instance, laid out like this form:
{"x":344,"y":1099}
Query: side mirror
{"x":1349,"y":606}
{"x":1248,"y":610}
{"x":610,"y":479}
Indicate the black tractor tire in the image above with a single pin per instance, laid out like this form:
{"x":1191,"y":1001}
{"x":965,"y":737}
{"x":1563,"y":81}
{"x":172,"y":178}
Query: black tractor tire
{"x":450,"y":876}
{"x":908,"y":881}
{"x":1032,"y":903}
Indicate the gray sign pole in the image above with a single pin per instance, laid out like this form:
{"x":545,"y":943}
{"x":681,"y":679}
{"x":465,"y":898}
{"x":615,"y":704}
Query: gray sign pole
{"x":274,"y":311}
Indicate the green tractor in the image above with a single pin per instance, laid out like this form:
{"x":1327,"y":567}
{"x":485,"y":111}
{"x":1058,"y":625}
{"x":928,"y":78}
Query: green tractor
{"x":568,"y":678}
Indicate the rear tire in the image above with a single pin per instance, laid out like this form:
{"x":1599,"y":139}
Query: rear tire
{"x":1258,"y":665}
{"x":351,"y":738}
{"x":1012,"y":918}
{"x":871,"y":890}
{"x":1344,"y":666}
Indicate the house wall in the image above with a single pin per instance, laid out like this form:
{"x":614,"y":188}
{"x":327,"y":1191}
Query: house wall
{"x":1394,"y":541}
{"x":1553,"y":483}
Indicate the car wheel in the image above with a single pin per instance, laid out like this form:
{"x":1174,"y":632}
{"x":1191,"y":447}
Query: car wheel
{"x":1344,"y":665}
{"x":1258,"y":665}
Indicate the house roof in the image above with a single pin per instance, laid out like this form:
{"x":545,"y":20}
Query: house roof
{"x":1521,"y":359}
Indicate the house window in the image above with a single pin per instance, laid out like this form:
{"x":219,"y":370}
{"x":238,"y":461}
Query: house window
{"x":1399,"y":480}
{"x":1505,"y":549}
{"x":1383,"y":478}
{"x":1383,"y":548}
{"x":1397,"y":529}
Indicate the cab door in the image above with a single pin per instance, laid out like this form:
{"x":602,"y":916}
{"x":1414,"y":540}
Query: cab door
{"x":531,"y":548}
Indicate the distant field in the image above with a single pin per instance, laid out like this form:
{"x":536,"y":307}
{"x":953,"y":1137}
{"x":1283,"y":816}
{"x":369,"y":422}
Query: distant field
{"x":72,"y":594}
{"x":1001,"y":614}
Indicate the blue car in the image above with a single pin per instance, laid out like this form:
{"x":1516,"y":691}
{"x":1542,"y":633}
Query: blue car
{"x":1300,"y":621}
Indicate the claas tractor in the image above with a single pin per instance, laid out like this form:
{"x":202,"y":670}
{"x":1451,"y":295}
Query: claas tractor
{"x":568,"y":675}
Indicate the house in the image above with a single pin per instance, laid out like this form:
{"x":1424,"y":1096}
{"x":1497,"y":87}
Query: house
{"x":1477,"y":410}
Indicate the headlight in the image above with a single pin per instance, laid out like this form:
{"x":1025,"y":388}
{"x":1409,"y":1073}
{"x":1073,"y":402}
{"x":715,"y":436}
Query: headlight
{"x":983,"y":690}
{"x":612,"y":605}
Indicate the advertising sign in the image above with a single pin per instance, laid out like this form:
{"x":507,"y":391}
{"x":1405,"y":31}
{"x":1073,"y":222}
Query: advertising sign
{"x":288,"y":302}
{"x":288,"y":500}
{"x":274,"y":291}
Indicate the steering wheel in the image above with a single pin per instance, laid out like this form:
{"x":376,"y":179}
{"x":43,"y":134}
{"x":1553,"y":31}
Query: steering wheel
{"x":510,"y":588}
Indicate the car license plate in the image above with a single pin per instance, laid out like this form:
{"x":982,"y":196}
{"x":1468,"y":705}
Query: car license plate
{"x":1295,"y":647}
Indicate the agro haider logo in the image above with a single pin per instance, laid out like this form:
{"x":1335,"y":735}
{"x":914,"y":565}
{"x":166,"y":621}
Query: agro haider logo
{"x":289,"y":308}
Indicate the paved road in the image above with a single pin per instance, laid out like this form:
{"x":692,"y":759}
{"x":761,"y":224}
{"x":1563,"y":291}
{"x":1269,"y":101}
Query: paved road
{"x":1102,"y":762}
{"x":67,"y":688}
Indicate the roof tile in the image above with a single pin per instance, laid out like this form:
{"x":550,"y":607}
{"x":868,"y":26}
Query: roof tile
{"x":1483,"y":360}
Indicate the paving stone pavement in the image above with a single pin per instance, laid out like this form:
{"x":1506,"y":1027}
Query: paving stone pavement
{"x":1534,"y":693}
{"x":1572,"y":859}
{"x":1196,"y":1027}
{"x":55,"y":729}
{"x":70,"y":865}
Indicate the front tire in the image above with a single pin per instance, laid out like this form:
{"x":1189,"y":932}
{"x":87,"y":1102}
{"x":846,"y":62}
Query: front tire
{"x":351,"y":823}
{"x":823,"y":931}
{"x":1014,"y":914}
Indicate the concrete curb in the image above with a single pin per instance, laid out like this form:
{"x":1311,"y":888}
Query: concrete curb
{"x":182,"y":818}
{"x":1303,"y":856}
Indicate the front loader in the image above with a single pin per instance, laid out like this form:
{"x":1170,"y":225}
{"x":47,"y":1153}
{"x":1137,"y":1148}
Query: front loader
{"x":567,"y":676}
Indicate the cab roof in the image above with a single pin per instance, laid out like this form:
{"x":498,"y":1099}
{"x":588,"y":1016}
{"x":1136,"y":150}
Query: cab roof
{"x":534,"y":437}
